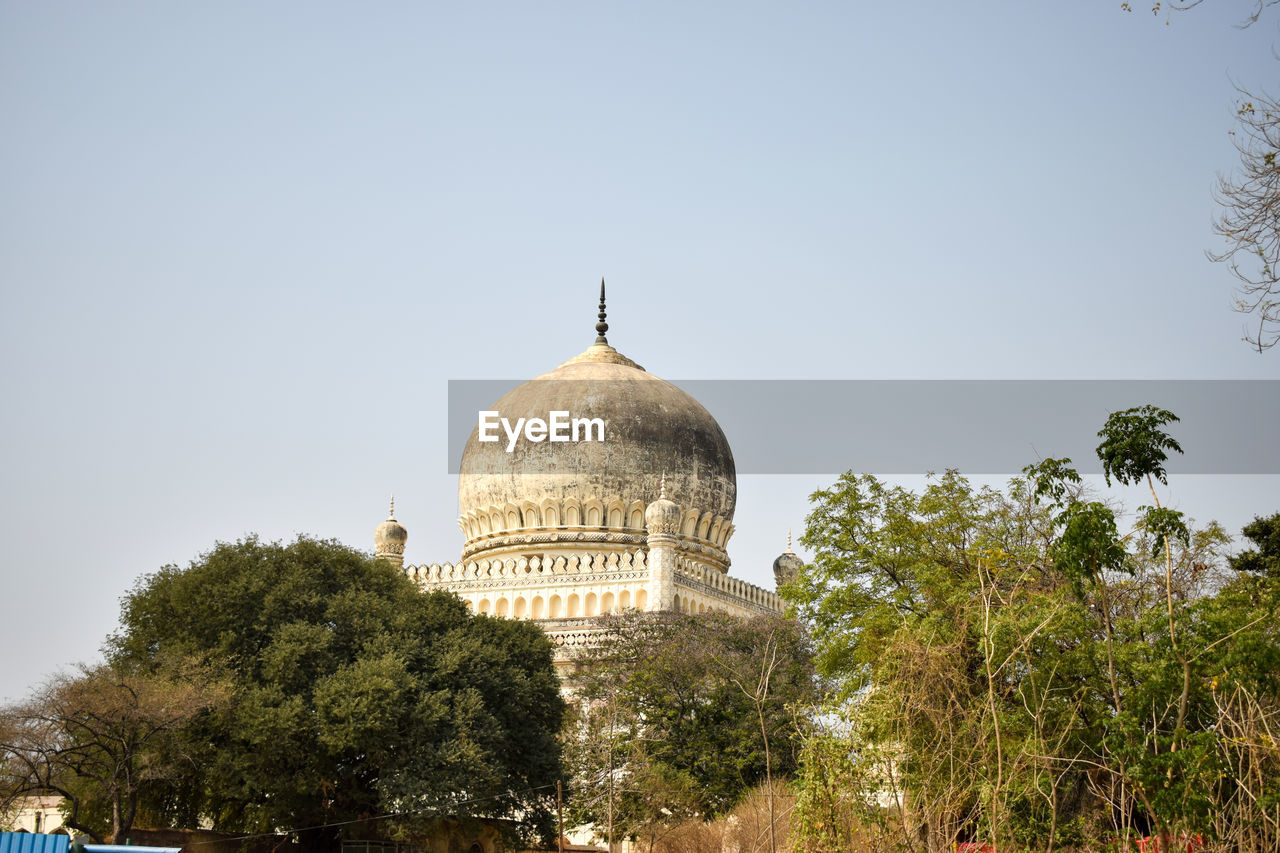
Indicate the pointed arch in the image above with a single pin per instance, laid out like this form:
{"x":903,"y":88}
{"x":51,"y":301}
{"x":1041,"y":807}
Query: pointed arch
{"x":704,"y":525}
{"x":688,"y":521}
{"x":635,"y":515}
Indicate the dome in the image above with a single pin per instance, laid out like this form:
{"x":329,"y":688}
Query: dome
{"x":595,"y":492}
{"x":788,"y":565}
{"x":390,"y":536}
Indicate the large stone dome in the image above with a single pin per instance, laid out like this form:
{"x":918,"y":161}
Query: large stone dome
{"x":592,"y":494}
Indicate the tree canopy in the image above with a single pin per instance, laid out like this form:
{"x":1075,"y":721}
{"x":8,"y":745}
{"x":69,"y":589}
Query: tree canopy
{"x":681,"y":716}
{"x":1013,"y":668}
{"x":353,"y":694}
{"x":102,"y":738}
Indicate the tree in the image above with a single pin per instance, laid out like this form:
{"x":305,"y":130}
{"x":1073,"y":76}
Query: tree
{"x":353,"y":694}
{"x":102,"y":737}
{"x":924,"y":608}
{"x":1264,"y":559}
{"x":1250,"y":217}
{"x":680,"y":716}
{"x":1015,"y":669}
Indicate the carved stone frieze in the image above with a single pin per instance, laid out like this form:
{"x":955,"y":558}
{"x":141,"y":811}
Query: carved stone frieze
{"x":526,"y":583}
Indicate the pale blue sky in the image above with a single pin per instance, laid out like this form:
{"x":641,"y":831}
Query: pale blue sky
{"x":244,"y":246}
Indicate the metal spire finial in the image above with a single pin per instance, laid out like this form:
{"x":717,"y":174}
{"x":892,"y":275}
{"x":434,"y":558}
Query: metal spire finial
{"x":391,"y":515}
{"x":789,"y":551}
{"x":602,"y":326}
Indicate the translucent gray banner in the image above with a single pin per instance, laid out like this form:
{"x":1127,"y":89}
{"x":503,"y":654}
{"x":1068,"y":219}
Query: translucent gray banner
{"x":917,"y":426}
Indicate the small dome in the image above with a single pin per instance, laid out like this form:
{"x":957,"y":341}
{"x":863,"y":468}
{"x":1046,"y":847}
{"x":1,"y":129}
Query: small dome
{"x":788,"y":565}
{"x":662,"y":516}
{"x":389,"y":538}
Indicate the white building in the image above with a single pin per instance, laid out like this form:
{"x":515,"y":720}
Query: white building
{"x":33,"y":814}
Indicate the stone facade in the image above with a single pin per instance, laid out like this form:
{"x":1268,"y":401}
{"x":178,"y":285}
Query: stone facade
{"x":567,"y":594}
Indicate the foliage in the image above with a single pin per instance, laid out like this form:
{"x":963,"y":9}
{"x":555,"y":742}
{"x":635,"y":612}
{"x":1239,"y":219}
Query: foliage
{"x":746,"y":828}
{"x":353,"y":694}
{"x":101,"y":739}
{"x":885,"y":557}
{"x":673,"y":713}
{"x":1012,"y":668}
{"x":1264,"y":559}
{"x":1135,"y":446}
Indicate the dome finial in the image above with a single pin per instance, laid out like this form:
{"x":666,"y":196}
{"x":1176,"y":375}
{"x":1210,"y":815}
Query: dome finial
{"x":391,"y":514}
{"x":602,"y":326}
{"x":662,"y":487}
{"x":789,"y":551}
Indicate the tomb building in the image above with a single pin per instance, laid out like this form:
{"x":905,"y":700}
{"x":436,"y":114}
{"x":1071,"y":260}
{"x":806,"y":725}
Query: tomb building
{"x":566,"y":531}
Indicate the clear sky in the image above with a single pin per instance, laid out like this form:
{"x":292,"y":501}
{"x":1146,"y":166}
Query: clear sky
{"x":244,"y":246}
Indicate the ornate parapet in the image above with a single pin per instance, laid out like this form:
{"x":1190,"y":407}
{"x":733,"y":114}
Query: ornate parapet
{"x":581,"y":586}
{"x":703,"y":582}
{"x":537,"y":570}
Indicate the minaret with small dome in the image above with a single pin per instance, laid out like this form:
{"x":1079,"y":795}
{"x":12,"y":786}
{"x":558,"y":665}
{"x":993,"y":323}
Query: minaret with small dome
{"x":389,"y":538}
{"x":788,"y":565}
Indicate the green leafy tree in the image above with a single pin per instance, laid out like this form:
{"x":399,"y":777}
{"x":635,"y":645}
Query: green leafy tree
{"x":681,"y":716}
{"x":353,"y":694}
{"x":1013,"y":668}
{"x":1264,"y":558}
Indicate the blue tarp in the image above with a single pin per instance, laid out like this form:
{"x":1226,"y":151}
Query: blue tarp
{"x":131,"y":848}
{"x":33,"y":842}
